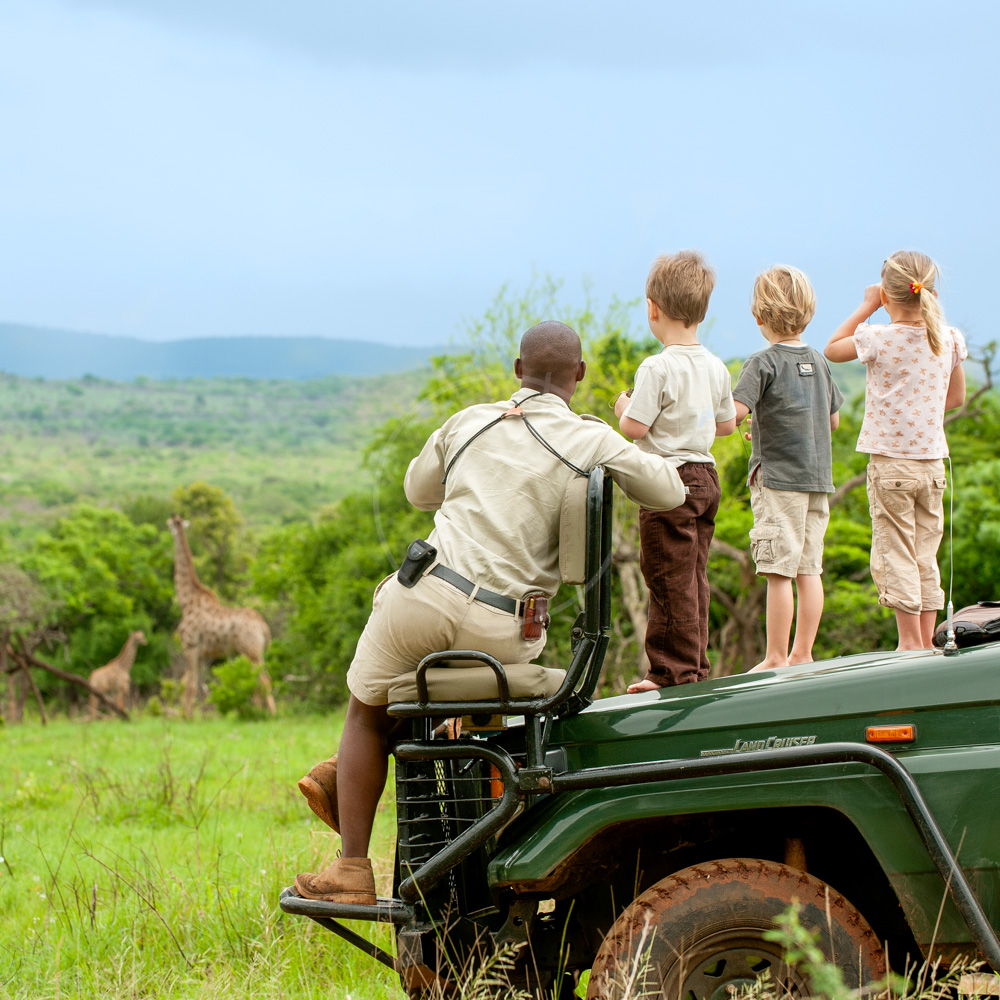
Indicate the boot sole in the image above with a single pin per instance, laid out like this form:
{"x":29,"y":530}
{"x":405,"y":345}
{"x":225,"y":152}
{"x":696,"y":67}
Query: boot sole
{"x":318,"y":801}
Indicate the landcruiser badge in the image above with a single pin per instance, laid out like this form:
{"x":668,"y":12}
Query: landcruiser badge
{"x":771,"y":743}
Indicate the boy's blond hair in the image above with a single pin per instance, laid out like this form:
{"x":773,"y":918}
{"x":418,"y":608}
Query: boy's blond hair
{"x":783,"y":300}
{"x":681,"y":285}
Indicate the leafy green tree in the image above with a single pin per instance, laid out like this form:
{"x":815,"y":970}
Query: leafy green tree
{"x":214,"y":535}
{"x":106,"y":577}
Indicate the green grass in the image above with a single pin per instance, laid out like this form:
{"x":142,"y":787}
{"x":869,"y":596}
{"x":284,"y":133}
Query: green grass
{"x":146,"y":859}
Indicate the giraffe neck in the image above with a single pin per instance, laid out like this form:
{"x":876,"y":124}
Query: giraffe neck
{"x":186,"y":581}
{"x":127,"y":656}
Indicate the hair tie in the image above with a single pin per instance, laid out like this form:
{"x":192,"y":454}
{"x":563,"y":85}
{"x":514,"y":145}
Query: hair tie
{"x":915,"y":286}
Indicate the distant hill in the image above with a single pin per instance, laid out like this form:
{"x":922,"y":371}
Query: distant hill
{"x":64,"y":354}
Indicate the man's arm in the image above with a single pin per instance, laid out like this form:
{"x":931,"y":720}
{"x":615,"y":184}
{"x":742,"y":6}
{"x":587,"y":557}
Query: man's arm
{"x":648,"y":480}
{"x":422,"y":484}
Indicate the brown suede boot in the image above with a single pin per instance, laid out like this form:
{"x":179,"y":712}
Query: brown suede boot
{"x":319,"y":787}
{"x":347,"y":880}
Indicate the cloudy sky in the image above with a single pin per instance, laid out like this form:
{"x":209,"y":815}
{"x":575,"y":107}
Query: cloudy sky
{"x":180,"y":168}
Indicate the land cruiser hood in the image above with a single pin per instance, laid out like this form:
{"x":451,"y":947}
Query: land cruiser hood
{"x":951,"y":700}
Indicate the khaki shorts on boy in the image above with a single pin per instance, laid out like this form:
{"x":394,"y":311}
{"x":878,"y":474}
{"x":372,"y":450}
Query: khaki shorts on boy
{"x":407,"y":624}
{"x":788,"y":528}
{"x":906,"y":498}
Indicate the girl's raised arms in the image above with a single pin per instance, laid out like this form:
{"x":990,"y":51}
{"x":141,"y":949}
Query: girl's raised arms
{"x":841,"y":345}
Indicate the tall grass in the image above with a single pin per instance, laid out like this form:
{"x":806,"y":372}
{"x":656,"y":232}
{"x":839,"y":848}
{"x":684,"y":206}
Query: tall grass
{"x":146,"y":859}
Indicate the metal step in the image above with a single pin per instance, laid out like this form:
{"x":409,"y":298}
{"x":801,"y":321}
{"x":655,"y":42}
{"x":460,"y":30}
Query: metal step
{"x":385,"y":910}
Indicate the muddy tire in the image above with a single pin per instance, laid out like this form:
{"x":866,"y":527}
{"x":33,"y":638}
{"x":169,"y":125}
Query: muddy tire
{"x":698,"y":933}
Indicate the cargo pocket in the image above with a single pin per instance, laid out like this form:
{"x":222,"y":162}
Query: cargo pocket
{"x":763,"y":543}
{"x":898,"y":494}
{"x":940,"y":483}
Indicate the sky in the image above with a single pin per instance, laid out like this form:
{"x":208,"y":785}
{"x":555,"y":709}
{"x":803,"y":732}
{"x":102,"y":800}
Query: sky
{"x":378,"y":171}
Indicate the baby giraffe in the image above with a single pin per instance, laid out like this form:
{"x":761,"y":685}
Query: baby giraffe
{"x":113,"y":679}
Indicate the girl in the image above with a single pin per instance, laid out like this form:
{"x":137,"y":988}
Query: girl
{"x":914,"y":373}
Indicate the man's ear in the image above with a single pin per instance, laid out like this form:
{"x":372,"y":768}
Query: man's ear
{"x":517,"y":367}
{"x":581,"y":371}
{"x":652,"y":311}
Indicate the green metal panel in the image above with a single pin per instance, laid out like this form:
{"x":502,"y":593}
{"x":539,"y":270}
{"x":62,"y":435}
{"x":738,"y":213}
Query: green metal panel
{"x":955,"y":761}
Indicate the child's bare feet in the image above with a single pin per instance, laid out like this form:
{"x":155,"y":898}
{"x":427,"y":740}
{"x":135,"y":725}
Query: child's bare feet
{"x":793,"y":659}
{"x":768,"y":663}
{"x":641,"y":686}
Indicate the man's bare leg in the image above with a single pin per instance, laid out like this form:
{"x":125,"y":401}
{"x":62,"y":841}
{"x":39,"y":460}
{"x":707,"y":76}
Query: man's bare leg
{"x":362,"y":766}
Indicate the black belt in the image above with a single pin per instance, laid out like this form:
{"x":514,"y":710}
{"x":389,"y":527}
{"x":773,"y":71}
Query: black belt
{"x":484,"y":596}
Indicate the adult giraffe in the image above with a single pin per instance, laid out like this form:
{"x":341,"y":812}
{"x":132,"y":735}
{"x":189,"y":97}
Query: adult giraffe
{"x":210,"y":630}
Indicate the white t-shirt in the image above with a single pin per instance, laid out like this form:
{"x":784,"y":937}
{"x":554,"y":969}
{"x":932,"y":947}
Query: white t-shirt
{"x":681,"y":394}
{"x":905,"y":388}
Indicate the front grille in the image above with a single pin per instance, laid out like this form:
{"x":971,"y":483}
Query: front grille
{"x":436,"y":801}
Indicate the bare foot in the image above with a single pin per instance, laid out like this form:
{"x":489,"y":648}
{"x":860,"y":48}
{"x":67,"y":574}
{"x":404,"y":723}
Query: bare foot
{"x":641,"y":686}
{"x":793,"y":659}
{"x":768,"y":664}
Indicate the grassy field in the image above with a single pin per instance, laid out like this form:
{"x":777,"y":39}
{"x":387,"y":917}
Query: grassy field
{"x":146,"y":859}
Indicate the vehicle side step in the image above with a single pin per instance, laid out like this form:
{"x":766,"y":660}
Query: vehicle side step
{"x":385,"y":910}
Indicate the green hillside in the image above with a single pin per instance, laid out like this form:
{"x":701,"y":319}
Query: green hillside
{"x":281,"y":448}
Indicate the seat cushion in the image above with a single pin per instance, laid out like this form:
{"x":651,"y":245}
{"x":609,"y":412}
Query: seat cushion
{"x":463,"y":682}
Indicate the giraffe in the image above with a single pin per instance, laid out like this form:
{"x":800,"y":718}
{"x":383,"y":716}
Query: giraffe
{"x":209,"y":630}
{"x":113,"y":679}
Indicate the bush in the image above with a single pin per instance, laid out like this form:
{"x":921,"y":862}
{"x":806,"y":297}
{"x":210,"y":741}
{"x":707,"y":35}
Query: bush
{"x":236,"y":689}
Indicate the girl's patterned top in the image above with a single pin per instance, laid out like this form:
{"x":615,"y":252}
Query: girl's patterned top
{"x":905,"y":389}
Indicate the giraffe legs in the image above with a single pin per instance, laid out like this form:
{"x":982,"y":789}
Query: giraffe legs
{"x":191,"y":681}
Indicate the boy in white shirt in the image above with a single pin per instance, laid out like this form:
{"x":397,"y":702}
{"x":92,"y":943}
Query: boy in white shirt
{"x":681,"y":401}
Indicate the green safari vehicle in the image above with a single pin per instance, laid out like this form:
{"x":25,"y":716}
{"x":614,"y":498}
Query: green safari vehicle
{"x":652,"y":839}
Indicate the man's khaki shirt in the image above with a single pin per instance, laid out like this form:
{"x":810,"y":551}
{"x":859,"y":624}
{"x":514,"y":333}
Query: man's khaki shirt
{"x":497,"y":520}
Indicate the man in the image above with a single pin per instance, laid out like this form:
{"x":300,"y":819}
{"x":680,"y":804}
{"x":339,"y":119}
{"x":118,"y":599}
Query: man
{"x":496,"y":474}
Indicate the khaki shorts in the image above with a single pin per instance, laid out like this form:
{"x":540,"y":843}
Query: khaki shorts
{"x":788,"y":528}
{"x":906,"y":499}
{"x":408,"y":623}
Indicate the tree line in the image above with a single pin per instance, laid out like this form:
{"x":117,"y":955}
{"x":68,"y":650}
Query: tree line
{"x":74,"y":592}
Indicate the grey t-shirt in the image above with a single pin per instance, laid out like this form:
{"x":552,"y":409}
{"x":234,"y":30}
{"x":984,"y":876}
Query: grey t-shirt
{"x":791,"y":394}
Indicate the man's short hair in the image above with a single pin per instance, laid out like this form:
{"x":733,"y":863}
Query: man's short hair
{"x":681,"y":285}
{"x":783,"y":300}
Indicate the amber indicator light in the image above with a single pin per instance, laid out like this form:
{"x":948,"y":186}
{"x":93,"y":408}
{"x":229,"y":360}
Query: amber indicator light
{"x":891,"y":734}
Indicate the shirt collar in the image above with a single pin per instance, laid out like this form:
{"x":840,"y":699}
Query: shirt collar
{"x":546,"y":398}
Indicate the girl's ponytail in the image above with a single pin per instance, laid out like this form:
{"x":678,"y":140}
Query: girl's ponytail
{"x":908,"y":277}
{"x":933,"y":316}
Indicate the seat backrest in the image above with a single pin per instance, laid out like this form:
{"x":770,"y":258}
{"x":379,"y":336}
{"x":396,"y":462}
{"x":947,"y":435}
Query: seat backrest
{"x":573,"y":532}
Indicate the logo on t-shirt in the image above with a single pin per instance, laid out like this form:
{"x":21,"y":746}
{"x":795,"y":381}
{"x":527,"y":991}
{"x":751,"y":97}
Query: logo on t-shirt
{"x":806,"y":368}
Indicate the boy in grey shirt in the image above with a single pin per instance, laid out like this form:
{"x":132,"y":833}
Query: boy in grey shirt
{"x":795,"y":404}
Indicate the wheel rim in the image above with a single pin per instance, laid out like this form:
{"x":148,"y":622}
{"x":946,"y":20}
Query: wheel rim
{"x":729,"y":961}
